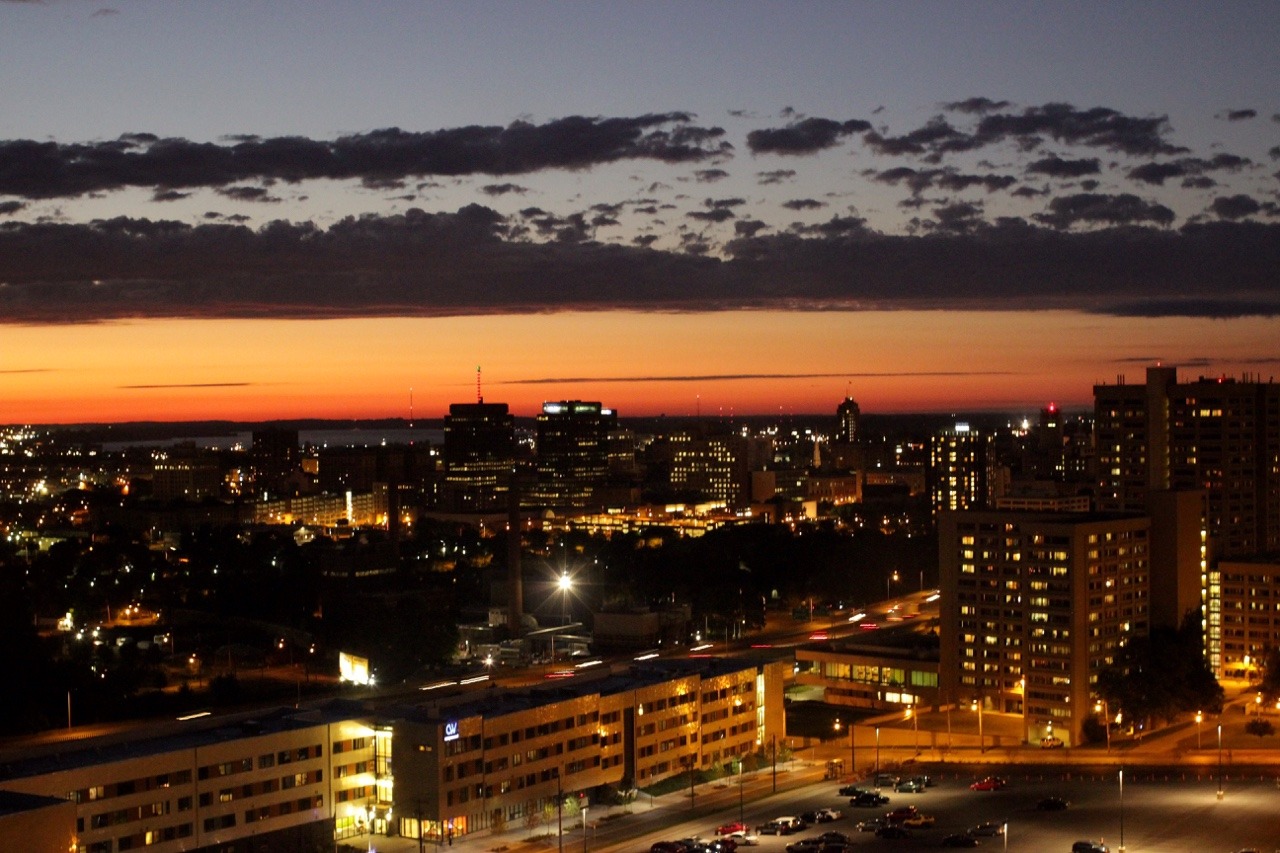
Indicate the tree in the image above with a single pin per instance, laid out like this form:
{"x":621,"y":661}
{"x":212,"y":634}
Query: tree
{"x":1162,"y":675}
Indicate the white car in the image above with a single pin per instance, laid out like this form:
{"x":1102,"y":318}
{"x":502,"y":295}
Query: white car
{"x":825,"y":815}
{"x":745,"y":838}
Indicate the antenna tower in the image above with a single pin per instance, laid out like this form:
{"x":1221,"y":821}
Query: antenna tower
{"x":479,"y":396}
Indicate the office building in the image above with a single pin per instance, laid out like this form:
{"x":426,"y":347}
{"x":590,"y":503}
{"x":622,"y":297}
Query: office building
{"x":572,"y":453}
{"x":479,"y":453}
{"x":274,"y":459}
{"x":1034,"y":605}
{"x":303,"y":778}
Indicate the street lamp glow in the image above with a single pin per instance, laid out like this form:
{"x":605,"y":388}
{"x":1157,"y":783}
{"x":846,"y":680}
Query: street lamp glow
{"x":564,"y":583}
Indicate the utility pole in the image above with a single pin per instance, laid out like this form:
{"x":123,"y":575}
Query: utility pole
{"x":775,"y":761}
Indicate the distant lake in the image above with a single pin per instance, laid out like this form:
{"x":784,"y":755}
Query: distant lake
{"x":365,"y":437}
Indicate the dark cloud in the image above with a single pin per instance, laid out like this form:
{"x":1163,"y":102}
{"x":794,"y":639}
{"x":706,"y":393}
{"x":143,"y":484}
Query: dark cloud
{"x":936,"y":138}
{"x":715,"y":214}
{"x":169,"y":195}
{"x":1218,"y":309}
{"x":721,"y":377}
{"x":1199,"y":182}
{"x":1098,"y":127}
{"x":803,"y":204}
{"x":806,"y":136}
{"x":8,"y":208}
{"x":1101,"y":209}
{"x":1274,"y":153}
{"x":188,"y":385}
{"x":776,"y":176}
{"x":34,"y":169}
{"x":958,"y":217}
{"x":1029,"y":192}
{"x":1158,"y":173}
{"x":104,"y":12}
{"x":474,"y":261}
{"x":503,"y":189}
{"x":725,"y":202}
{"x":1238,"y":115}
{"x":1235,"y":206}
{"x":975,"y":105}
{"x":1090,"y":186}
{"x":1056,"y":167}
{"x":748,"y":227}
{"x":710,"y":176}
{"x":260,"y":194}
{"x":919,"y":180}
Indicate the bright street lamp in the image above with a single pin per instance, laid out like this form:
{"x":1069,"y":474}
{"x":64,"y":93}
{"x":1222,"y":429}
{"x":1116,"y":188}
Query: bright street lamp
{"x":1199,"y":720}
{"x":887,"y":580}
{"x":1121,"y":810}
{"x":1219,"y":760}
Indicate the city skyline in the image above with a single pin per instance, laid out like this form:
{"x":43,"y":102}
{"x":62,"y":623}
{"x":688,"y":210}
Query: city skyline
{"x":301,"y":211}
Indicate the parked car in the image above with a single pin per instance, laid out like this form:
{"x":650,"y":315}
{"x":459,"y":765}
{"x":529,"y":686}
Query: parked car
{"x":829,"y":838}
{"x":1090,"y":847}
{"x":909,"y":786}
{"x":893,"y":831}
{"x":926,"y":781}
{"x":869,"y":799}
{"x":1051,"y":742}
{"x":1052,"y":804}
{"x":805,"y":845}
{"x":991,"y":783}
{"x":730,"y":828}
{"x":851,"y":791}
{"x":959,"y":839}
{"x":885,"y":780}
{"x":988,"y":828}
{"x":901,"y":813}
{"x":745,"y":837}
{"x":871,"y":825}
{"x":667,"y":847}
{"x":828,"y":815}
{"x":919,"y":821}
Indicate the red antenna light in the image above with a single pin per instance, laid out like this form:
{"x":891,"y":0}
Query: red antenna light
{"x":479,"y":397}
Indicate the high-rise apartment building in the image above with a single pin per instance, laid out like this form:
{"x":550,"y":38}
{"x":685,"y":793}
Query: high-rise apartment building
{"x":572,"y":452}
{"x":718,"y":466}
{"x":1218,"y":435}
{"x":274,"y":458}
{"x":479,"y":452}
{"x":1034,"y":605}
{"x":962,"y":472}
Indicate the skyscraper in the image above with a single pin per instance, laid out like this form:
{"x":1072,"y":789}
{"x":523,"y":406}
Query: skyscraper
{"x":572,"y":452}
{"x":847,"y":416}
{"x":479,"y":452}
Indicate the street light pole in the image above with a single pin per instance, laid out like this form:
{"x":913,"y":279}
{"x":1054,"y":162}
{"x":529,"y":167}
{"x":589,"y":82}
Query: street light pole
{"x":559,"y":811}
{"x":774,"y":749}
{"x":1219,"y":760}
{"x":1199,"y":720}
{"x":1121,"y":810}
{"x":877,"y":755}
{"x":1106,"y":719}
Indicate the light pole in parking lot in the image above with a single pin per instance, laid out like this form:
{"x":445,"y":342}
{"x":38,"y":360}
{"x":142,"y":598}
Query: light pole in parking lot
{"x":1121,"y":810}
{"x":1219,"y":760}
{"x":1199,"y":720}
{"x":877,"y":753}
{"x":1101,"y":706}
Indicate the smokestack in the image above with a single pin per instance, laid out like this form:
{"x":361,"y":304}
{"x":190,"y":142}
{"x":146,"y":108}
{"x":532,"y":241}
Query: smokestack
{"x":515,"y":584}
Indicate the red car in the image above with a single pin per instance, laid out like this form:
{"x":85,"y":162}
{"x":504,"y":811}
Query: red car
{"x":901,"y":813}
{"x":730,"y":828}
{"x":991,"y":783}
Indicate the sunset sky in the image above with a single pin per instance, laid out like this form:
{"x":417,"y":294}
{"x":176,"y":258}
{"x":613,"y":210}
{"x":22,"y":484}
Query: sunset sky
{"x":257,"y":210}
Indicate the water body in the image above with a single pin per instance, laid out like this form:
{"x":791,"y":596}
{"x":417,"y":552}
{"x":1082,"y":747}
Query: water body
{"x":361,"y":437}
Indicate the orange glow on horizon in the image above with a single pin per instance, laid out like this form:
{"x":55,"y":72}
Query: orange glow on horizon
{"x":757,"y":362}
